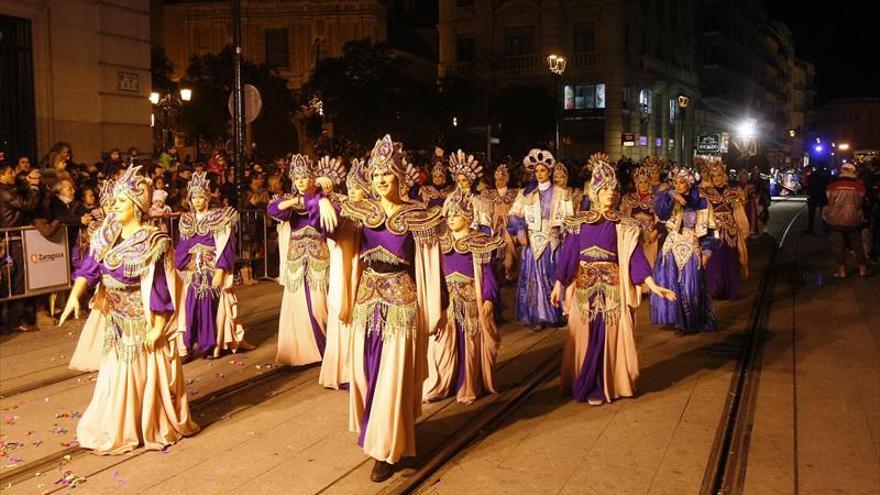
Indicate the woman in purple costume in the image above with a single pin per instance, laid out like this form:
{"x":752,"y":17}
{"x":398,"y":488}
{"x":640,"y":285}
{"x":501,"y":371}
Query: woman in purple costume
{"x":205,"y":258}
{"x":305,"y":217}
{"x":683,"y":256}
{"x":395,"y":259}
{"x":602,"y":258}
{"x":730,"y":256}
{"x":536,"y":219}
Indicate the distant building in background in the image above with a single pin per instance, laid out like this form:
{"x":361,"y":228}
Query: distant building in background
{"x":854,"y":121}
{"x":292,"y":36}
{"x":74,"y":71}
{"x":627,"y":64}
{"x":801,"y":106}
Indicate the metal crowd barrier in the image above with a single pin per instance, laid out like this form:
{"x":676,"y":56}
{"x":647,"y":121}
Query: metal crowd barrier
{"x":22,"y":247}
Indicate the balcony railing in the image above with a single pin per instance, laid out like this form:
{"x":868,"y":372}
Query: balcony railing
{"x":585,"y":60}
{"x":464,"y":69}
{"x":517,"y":63}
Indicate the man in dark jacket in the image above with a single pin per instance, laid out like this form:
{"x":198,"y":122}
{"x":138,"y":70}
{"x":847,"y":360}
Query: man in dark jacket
{"x":816,"y":182}
{"x":15,"y":205}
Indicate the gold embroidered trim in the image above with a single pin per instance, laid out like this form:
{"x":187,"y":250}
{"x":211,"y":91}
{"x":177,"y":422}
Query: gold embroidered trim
{"x":382,"y":255}
{"x":214,"y":222}
{"x":308,"y":261}
{"x":393,"y":296}
{"x":136,"y":253}
{"x":597,"y":291}
{"x":598,"y":253}
{"x":480,"y":245}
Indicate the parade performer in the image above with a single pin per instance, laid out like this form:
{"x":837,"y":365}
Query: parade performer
{"x":335,"y":367}
{"x":399,"y":302}
{"x":140,"y":394}
{"x":602,"y":258}
{"x":729,"y":254}
{"x":640,"y":206}
{"x":753,"y":203}
{"x":501,"y":200}
{"x":90,"y":345}
{"x":461,"y":359}
{"x":536,"y":218}
{"x":594,"y":160}
{"x":467,"y":171}
{"x":683,"y":255}
{"x":205,"y":258}
{"x":304,"y":265}
{"x":560,"y":179}
{"x":435,"y":193}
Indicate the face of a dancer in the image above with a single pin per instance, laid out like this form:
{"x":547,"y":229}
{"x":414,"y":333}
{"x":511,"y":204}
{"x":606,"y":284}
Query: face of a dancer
{"x":655,"y":176}
{"x":500,"y":181}
{"x":463,"y":182}
{"x":304,"y":184}
{"x":681,"y":186}
{"x":719,"y":178}
{"x":385,"y":184}
{"x":199,"y":202}
{"x":606,"y":197}
{"x":124,"y":208}
{"x":438,"y":178}
{"x":559,"y":178}
{"x":542,"y":173}
{"x":457,"y":223}
{"x":357,"y":194}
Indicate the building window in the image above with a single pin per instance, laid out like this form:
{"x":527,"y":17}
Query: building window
{"x":519,"y":41}
{"x":624,"y":103}
{"x":277,"y":49}
{"x":658,"y":115}
{"x":584,"y":96}
{"x":645,"y":101}
{"x":464,"y":3}
{"x":584,"y":37}
{"x":673,"y":110}
{"x":465,"y":50}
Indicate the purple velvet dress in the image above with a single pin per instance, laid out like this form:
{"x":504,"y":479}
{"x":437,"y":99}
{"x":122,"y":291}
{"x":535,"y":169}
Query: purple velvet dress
{"x":197,"y":255}
{"x":590,"y":260}
{"x":722,"y":270}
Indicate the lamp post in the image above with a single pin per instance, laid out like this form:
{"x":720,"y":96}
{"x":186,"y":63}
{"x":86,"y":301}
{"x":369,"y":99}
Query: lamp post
{"x":169,"y":106}
{"x":683,"y":102}
{"x":746,"y":132}
{"x":556,"y":64}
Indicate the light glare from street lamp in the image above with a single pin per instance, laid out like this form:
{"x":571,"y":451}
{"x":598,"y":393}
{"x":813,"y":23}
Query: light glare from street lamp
{"x":154,"y":98}
{"x":746,"y":129}
{"x":843,"y":146}
{"x":185,"y":94}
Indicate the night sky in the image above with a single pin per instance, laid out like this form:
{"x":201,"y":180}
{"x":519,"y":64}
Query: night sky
{"x":841,"y":40}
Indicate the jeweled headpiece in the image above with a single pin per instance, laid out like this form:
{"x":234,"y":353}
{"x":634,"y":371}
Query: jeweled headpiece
{"x":560,"y":167}
{"x":388,"y":156}
{"x":461,"y":164}
{"x":599,"y":158}
{"x":502,"y":171}
{"x":199,"y":185}
{"x":603,"y":176}
{"x":641,"y":174}
{"x":457,"y":204}
{"x":684,"y":172}
{"x":356,"y":178}
{"x":538,"y":156}
{"x":135,"y":186}
{"x":105,"y":194}
{"x":300,"y":166}
{"x":708,"y":165}
{"x":332,"y":169}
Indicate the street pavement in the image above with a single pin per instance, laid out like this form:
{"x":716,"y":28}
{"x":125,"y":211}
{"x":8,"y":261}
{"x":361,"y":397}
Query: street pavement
{"x":816,"y":423}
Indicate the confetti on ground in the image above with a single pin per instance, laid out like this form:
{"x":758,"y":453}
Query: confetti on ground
{"x":38,"y":443}
{"x":58,"y":430}
{"x":219,"y":375}
{"x":72,"y":443}
{"x":71,"y":480}
{"x":10,"y":420}
{"x":14,"y":458}
{"x":118,"y":477}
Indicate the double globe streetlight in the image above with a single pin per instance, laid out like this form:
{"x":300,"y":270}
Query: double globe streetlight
{"x":170,"y":105}
{"x":556,"y":64}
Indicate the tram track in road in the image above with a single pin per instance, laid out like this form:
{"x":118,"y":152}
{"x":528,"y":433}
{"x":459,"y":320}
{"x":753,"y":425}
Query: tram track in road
{"x":726,"y":467}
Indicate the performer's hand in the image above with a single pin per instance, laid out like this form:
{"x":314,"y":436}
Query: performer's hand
{"x":522,"y":239}
{"x":152,"y":337}
{"x":328,"y":215}
{"x":679,"y":199}
{"x":665,"y":293}
{"x":217,"y":281}
{"x":325,"y":184}
{"x":556,"y":295}
{"x":72,"y":306}
{"x":488,"y":309}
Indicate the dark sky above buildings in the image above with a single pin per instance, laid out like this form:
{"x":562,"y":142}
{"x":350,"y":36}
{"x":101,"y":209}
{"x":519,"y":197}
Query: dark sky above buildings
{"x":841,"y":39}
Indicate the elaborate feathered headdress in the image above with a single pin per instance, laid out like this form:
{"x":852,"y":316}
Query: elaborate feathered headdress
{"x":198,"y":185}
{"x":356,"y":178}
{"x":538,"y":156}
{"x":332,"y":169}
{"x":135,"y":186}
{"x":461,"y":164}
{"x":300,"y":166}
{"x":388,"y":156}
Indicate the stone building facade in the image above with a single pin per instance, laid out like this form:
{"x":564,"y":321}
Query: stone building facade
{"x":81,"y":73}
{"x":854,"y":121}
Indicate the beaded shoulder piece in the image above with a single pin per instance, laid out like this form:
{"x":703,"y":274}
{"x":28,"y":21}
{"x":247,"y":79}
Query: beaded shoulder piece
{"x":214,"y":222}
{"x":633,"y":200}
{"x":134,"y":254}
{"x":415,"y":217}
{"x":574,"y":222}
{"x":507,"y":198}
{"x":480,"y":245}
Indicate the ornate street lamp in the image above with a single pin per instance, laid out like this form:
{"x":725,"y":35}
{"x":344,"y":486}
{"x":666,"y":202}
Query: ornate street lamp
{"x":684,"y":101}
{"x":169,"y":106}
{"x":556,"y":64}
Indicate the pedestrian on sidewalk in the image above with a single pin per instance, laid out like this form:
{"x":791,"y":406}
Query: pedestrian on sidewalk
{"x":140,"y":396}
{"x":816,"y":182}
{"x":844,"y":218}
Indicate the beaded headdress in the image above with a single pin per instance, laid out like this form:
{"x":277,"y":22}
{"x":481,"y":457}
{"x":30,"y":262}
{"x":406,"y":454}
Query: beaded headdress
{"x":603,"y":176}
{"x":356,"y":178}
{"x":502,"y":171}
{"x":599,"y":158}
{"x":461,"y":164}
{"x":198,"y":185}
{"x":388,"y":156}
{"x":560,"y":167}
{"x":708,"y":165}
{"x":437,"y":166}
{"x":105,"y":194}
{"x":684,"y":172}
{"x":538,"y":156}
{"x":332,"y":169}
{"x":134,"y":186}
{"x":457,"y":204}
{"x":300,"y":166}
{"x":641,"y":174}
